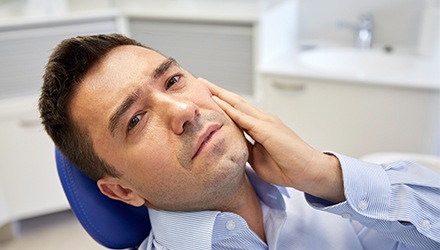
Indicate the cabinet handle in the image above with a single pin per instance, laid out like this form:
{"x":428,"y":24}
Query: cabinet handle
{"x":30,"y":123}
{"x":289,"y":86}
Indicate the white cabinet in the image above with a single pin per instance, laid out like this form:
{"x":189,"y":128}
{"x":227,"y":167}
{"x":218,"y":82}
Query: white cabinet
{"x":29,"y":180}
{"x":355,"y":118}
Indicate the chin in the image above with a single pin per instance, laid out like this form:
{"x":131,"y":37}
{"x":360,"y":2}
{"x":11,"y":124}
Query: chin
{"x":240,"y":157}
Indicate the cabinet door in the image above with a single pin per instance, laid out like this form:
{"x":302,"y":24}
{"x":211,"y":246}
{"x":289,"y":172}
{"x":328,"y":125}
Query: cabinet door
{"x":25,"y":49}
{"x":222,"y":53}
{"x":28,"y":175}
{"x":355,"y":119}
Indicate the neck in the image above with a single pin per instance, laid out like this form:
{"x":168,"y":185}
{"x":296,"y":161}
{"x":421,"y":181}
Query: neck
{"x":246,"y":204}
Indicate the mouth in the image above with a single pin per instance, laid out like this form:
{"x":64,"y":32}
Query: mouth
{"x":205,"y":138}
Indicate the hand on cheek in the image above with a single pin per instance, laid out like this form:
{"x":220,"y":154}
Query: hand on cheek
{"x":278,"y":154}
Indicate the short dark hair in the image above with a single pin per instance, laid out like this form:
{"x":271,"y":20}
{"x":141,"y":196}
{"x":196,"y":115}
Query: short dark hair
{"x":68,"y":64}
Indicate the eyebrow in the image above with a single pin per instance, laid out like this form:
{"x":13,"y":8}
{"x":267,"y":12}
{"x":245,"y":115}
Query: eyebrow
{"x":122,"y":109}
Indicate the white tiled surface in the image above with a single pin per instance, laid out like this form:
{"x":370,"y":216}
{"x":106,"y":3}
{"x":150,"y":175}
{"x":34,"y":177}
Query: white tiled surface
{"x":56,"y":231}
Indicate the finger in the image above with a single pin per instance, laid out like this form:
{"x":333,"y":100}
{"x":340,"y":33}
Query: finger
{"x":236,"y":101}
{"x":253,"y":126}
{"x":223,"y":94}
{"x":243,"y":120}
{"x":215,"y":90}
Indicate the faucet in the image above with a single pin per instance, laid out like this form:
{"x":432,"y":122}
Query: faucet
{"x":364,"y":34}
{"x":363,"y":30}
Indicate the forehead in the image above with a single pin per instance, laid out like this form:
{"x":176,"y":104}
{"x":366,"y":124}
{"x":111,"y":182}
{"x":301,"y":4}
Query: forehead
{"x":121,"y":67}
{"x":128,"y":59}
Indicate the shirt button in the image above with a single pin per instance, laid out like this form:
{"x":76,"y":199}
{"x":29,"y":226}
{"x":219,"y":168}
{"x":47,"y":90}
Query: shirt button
{"x":363,"y":204}
{"x":426,"y":224}
{"x":346,"y":215}
{"x":230,"y":225}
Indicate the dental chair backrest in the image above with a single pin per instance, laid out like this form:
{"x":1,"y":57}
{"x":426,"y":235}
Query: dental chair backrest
{"x":111,"y":223}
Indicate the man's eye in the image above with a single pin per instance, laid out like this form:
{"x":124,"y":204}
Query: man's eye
{"x":134,"y":121}
{"x":173,"y":80}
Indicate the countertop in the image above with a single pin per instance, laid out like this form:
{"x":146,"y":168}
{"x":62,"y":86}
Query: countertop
{"x":424,"y":74}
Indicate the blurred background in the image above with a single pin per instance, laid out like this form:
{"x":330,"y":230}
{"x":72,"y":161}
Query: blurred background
{"x":355,"y":77}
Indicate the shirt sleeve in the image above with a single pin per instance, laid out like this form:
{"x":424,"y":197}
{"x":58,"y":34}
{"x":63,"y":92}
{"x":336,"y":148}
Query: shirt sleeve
{"x":400,"y":200}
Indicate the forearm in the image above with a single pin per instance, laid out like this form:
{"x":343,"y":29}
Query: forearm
{"x":399,"y":200}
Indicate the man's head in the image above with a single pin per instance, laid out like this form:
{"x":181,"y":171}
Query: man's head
{"x":142,"y":126}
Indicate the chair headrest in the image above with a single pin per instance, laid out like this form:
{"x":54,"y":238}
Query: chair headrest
{"x":112,"y":223}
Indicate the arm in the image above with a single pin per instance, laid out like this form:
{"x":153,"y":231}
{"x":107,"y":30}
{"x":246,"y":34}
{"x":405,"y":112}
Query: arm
{"x":385,"y":198}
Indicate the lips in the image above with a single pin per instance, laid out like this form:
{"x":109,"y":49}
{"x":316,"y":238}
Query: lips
{"x":204,"y":138}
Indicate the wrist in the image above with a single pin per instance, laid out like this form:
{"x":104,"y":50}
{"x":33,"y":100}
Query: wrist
{"x":328,"y":184}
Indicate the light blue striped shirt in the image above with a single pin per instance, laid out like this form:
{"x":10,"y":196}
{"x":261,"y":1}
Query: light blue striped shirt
{"x":394,"y":206}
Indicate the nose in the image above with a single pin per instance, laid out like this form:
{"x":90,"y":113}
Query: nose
{"x":176,"y":111}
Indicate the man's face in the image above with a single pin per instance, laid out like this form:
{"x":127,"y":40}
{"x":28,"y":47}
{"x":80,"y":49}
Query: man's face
{"x":159,"y":127}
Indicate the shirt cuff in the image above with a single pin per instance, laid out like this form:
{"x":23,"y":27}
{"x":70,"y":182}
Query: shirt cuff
{"x":367,"y":190}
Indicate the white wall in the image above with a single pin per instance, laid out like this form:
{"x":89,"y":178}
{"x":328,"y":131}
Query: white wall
{"x":396,"y":21}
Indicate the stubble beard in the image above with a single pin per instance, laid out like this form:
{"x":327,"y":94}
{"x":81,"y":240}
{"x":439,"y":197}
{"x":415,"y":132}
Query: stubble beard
{"x":225,"y":173}
{"x":189,"y":138}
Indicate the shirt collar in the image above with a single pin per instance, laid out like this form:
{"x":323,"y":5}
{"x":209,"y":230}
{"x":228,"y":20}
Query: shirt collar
{"x":194,"y":230}
{"x":270,"y":194}
{"x":183,"y":230}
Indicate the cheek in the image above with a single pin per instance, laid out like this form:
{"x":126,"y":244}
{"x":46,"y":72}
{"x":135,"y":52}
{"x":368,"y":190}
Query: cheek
{"x":151,"y":170}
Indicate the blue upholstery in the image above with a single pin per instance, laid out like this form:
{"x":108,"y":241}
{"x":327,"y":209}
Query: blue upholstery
{"x":111,"y":223}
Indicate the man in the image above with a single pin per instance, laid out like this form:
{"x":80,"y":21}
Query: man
{"x":152,"y":134}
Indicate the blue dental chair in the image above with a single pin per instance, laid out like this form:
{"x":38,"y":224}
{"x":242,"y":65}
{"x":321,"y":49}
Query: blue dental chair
{"x":111,"y":223}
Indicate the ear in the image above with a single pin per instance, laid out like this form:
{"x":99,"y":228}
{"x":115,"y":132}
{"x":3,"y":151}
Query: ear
{"x":113,"y":188}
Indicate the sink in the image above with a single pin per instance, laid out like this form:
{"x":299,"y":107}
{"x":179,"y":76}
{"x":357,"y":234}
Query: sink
{"x":355,"y":60}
